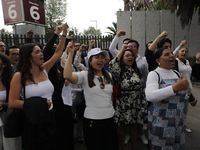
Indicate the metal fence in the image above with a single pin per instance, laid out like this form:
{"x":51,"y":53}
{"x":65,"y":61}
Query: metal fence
{"x":19,"y":40}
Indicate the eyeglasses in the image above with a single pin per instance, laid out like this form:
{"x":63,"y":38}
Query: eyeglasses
{"x":14,"y":54}
{"x":2,"y":46}
{"x":132,"y":46}
{"x":102,"y":86}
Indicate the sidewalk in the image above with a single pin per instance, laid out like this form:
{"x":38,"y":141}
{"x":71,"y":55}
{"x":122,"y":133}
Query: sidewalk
{"x":193,"y":122}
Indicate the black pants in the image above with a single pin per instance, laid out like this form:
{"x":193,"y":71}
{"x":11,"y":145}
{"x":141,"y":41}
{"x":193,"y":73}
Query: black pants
{"x":100,"y":134}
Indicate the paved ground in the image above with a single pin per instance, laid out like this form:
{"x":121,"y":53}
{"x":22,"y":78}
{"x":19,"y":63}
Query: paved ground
{"x":193,"y":121}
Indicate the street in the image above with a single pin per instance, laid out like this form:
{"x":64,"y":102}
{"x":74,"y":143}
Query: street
{"x":193,"y":122}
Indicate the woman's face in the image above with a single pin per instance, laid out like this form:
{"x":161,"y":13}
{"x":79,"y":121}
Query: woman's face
{"x":128,"y":58}
{"x":167,"y":59}
{"x":182,"y":54}
{"x":37,"y":56}
{"x":97,"y":62}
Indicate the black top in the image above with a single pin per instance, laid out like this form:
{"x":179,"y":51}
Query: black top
{"x":63,"y":113}
{"x":196,"y":71}
{"x":151,"y":59}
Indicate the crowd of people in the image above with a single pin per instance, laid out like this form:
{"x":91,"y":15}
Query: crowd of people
{"x":113,"y":96}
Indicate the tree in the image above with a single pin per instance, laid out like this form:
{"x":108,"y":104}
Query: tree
{"x":55,"y":14}
{"x":184,"y":8}
{"x":76,"y":32}
{"x":91,"y":31}
{"x":131,"y":5}
{"x":113,"y":30}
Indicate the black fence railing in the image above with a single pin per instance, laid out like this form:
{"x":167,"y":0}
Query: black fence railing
{"x":19,"y":40}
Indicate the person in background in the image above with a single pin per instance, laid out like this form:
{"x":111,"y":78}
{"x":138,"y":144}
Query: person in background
{"x":6,"y":74}
{"x":13,"y":54}
{"x":128,"y":111}
{"x":182,"y":65}
{"x":62,"y":110}
{"x":142,"y":65}
{"x":100,"y":131}
{"x":107,"y":59}
{"x":2,"y":47}
{"x":64,"y":55}
{"x":29,"y":36}
{"x":112,"y":48}
{"x":196,"y":67}
{"x":31,"y":80}
{"x":78,"y":97}
{"x":166,"y":90}
{"x":152,"y":46}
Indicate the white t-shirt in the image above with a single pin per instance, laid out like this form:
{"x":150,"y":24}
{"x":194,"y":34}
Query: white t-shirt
{"x":153,"y":92}
{"x":98,"y":101}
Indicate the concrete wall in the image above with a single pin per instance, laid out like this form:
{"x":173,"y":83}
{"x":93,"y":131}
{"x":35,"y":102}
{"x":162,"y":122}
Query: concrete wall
{"x":21,"y":29}
{"x":145,"y":26}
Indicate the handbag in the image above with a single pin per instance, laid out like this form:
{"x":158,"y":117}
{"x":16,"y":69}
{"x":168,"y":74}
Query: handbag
{"x":116,"y":91}
{"x":14,"y":123}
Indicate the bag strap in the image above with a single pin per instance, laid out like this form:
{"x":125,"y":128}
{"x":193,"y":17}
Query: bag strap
{"x":158,"y":76}
{"x":23,"y":81}
{"x":176,"y":72}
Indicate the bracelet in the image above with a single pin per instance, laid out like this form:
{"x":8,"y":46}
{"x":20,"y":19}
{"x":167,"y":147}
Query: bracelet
{"x":63,"y":35}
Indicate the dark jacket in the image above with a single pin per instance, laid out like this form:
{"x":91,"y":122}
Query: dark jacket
{"x":39,"y":128}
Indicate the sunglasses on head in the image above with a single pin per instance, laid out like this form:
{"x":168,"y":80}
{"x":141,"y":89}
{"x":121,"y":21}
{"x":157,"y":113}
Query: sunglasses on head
{"x":102,"y":86}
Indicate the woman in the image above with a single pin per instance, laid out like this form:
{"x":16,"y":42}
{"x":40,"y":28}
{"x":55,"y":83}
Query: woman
{"x":183,"y":66}
{"x":6,"y":74}
{"x":98,"y":125}
{"x":196,"y":67}
{"x":32,"y":79}
{"x":128,"y":107}
{"x":166,"y":114}
{"x":62,"y":111}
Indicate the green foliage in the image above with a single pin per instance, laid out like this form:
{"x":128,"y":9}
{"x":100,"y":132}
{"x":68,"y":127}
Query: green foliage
{"x":91,"y":31}
{"x":162,"y":4}
{"x":76,"y":32}
{"x":55,"y":14}
{"x":113,"y":30}
{"x":184,"y":8}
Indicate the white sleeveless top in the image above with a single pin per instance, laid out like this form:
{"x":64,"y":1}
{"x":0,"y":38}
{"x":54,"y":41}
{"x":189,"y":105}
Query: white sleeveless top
{"x":3,"y":95}
{"x":42,"y":89}
{"x":2,"y":99}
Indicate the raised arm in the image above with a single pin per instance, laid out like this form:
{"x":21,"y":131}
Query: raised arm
{"x":175,"y":52}
{"x":153,"y":45}
{"x":91,"y":43}
{"x":119,"y":55}
{"x":68,"y":75}
{"x":77,"y":62}
{"x":114,"y":43}
{"x":59,"y":49}
{"x":48,"y":49}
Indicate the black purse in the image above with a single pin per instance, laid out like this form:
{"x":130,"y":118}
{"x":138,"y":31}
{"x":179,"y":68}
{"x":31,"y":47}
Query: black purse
{"x":14,"y":123}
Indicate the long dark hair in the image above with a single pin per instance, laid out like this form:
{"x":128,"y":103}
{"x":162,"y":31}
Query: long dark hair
{"x":134,"y":65}
{"x":7,"y":71}
{"x":24,"y":64}
{"x":91,"y":74}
